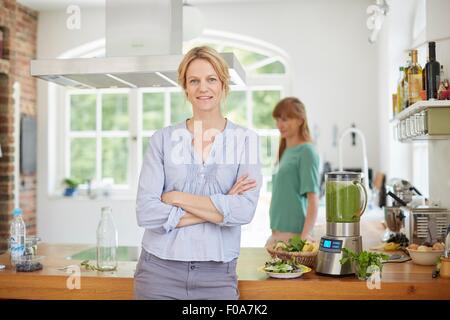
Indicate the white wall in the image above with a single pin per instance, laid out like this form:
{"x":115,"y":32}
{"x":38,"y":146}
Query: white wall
{"x":333,"y":65}
{"x":334,"y":71}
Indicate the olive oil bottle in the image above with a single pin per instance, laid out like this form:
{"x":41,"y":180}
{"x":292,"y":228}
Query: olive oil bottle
{"x":415,"y":84}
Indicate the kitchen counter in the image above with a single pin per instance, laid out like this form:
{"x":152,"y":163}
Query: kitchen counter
{"x":399,"y":281}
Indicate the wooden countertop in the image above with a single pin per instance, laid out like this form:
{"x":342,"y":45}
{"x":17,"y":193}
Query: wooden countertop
{"x":399,"y":281}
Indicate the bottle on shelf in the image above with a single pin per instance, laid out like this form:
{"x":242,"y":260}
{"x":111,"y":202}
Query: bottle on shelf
{"x":443,"y":88}
{"x":414,"y":79}
{"x":17,"y":237}
{"x":406,"y":85}
{"x":107,"y":242}
{"x":400,"y":91}
{"x":432,"y":73}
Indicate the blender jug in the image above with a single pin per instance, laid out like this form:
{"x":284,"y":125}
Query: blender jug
{"x":346,"y":197}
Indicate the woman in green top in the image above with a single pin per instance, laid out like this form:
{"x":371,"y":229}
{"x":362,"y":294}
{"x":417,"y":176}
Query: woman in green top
{"x":295,"y":185}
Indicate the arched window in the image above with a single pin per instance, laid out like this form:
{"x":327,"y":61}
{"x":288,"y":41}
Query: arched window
{"x":112,"y":126}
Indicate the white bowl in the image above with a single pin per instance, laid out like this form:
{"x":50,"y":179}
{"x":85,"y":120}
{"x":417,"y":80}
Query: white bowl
{"x":425,"y":258}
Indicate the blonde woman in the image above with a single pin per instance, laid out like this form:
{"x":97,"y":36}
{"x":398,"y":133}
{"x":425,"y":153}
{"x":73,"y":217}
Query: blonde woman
{"x":295,"y":185}
{"x":200,"y":181}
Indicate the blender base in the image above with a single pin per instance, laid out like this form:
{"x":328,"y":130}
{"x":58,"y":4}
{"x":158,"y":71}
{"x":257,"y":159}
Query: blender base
{"x":330,"y":252}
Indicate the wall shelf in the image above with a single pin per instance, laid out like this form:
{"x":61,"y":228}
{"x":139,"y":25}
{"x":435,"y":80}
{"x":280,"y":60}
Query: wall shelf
{"x":420,"y":106}
{"x":424,"y":120}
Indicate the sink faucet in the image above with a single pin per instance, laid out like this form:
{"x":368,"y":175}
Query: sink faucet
{"x":365,"y":167}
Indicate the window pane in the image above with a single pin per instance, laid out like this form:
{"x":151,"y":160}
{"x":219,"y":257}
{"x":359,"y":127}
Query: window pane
{"x":275,"y":67}
{"x":115,"y":159}
{"x":82,"y":158}
{"x":115,"y":111}
{"x":153,"y":111}
{"x":268,"y":152}
{"x":82,"y":112}
{"x":180,"y":107}
{"x":245,"y":57}
{"x":236,"y":108}
{"x":264,"y":102}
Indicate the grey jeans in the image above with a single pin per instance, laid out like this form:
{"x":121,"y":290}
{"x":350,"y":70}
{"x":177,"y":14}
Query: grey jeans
{"x":158,"y":279}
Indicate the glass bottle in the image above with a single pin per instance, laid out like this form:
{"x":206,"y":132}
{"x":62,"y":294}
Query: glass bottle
{"x":432,"y":73}
{"x":107,"y":242}
{"x":400,"y":95}
{"x":415,"y":84}
{"x":406,"y":86}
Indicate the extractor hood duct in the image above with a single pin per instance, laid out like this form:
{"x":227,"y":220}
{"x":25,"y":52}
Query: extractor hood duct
{"x":143,"y":49}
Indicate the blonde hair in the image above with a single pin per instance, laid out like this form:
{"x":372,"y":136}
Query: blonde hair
{"x":210,"y":55}
{"x":292,"y":107}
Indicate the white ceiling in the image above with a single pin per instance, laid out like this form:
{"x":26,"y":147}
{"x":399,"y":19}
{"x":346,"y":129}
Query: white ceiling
{"x":50,"y":5}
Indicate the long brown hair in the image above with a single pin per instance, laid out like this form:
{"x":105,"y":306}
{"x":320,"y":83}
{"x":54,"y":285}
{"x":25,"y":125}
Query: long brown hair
{"x":292,"y":107}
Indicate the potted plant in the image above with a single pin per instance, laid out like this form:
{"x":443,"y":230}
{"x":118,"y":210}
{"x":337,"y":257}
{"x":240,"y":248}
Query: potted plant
{"x":71,"y":186}
{"x":362,"y":261}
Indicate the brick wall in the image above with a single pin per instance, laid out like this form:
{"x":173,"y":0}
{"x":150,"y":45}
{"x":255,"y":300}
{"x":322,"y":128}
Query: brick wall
{"x":19,"y":25}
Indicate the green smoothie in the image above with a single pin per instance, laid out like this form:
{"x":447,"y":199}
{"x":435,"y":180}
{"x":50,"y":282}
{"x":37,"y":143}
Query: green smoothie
{"x":343,"y":201}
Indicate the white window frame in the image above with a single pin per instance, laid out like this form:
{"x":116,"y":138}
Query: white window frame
{"x":98,"y":134}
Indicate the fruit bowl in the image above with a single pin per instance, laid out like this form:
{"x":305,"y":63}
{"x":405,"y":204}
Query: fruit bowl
{"x":425,"y":258}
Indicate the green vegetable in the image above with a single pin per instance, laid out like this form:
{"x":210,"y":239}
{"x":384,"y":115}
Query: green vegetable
{"x":278,"y":265}
{"x":296,"y":244}
{"x":363,"y":260}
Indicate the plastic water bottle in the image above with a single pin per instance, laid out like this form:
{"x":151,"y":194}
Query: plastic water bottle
{"x":17,"y":237}
{"x":107,"y":242}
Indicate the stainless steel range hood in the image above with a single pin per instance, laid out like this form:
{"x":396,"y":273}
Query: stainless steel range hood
{"x":143,"y":49}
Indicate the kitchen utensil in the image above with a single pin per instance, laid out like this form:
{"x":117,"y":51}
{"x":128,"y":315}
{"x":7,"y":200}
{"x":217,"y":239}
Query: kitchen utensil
{"x":435,"y":272}
{"x":402,"y":189}
{"x":346,"y":201}
{"x":397,"y":258}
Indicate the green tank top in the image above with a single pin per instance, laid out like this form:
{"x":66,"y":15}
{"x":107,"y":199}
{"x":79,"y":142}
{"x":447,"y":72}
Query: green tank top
{"x":296,"y":175}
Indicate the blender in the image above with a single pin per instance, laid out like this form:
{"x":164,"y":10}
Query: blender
{"x":346,"y":200}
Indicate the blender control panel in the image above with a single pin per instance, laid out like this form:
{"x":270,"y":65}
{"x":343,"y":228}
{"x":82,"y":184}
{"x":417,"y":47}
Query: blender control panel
{"x":330,"y":245}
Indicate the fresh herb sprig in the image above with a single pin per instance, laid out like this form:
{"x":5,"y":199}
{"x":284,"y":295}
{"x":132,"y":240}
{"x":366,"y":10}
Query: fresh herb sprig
{"x":88,"y":266}
{"x":363,"y":260}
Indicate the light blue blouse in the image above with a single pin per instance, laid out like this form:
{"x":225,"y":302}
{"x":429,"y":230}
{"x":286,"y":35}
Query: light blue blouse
{"x":171,"y":164}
